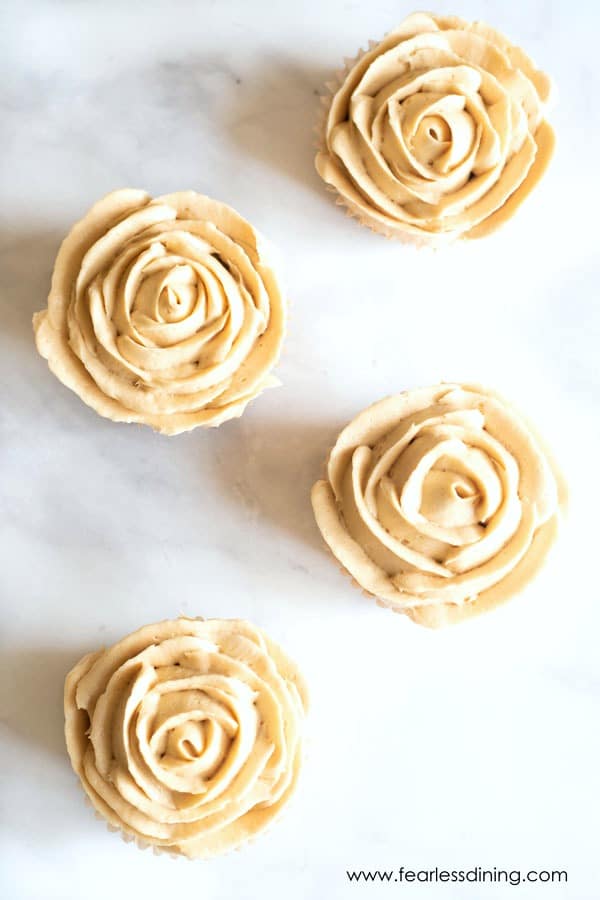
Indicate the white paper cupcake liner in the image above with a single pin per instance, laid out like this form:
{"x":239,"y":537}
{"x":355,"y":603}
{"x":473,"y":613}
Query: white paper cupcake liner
{"x":157,"y":850}
{"x":127,"y":837}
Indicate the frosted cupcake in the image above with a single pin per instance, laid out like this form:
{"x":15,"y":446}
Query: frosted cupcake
{"x":440,"y":502}
{"x":438,"y":132}
{"x":164,"y":312}
{"x":187,"y":735}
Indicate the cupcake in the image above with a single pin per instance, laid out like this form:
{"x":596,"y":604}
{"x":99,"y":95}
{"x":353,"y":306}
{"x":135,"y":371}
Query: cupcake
{"x":437,"y":132}
{"x":164,"y":312}
{"x":187,"y":735}
{"x":440,"y":502}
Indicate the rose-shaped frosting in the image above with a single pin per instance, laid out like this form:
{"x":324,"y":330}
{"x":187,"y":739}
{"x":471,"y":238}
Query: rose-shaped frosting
{"x":163,"y":312}
{"x":438,"y":131}
{"x":439,"y":501}
{"x":187,"y":734}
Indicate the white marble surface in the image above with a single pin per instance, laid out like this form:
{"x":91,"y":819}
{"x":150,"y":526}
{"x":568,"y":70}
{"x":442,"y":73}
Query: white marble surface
{"x":473,"y":746}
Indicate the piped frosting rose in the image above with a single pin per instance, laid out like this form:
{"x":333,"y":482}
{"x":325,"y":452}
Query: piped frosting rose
{"x":187,"y":734}
{"x":164,"y":312}
{"x":439,"y":501}
{"x":438,"y":131}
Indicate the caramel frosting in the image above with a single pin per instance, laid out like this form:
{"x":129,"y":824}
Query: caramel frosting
{"x":439,"y":501}
{"x":187,"y":734}
{"x":438,"y":131}
{"x":164,"y":312}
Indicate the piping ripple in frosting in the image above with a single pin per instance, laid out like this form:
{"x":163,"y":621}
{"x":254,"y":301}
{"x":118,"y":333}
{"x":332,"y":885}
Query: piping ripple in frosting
{"x":164,"y":312}
{"x":187,"y":734}
{"x":438,"y":131}
{"x":439,"y":501}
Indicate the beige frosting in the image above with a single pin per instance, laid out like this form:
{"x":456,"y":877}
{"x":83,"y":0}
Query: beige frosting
{"x":439,"y":501}
{"x":187,"y":734}
{"x":437,"y":132}
{"x":164,"y":312}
